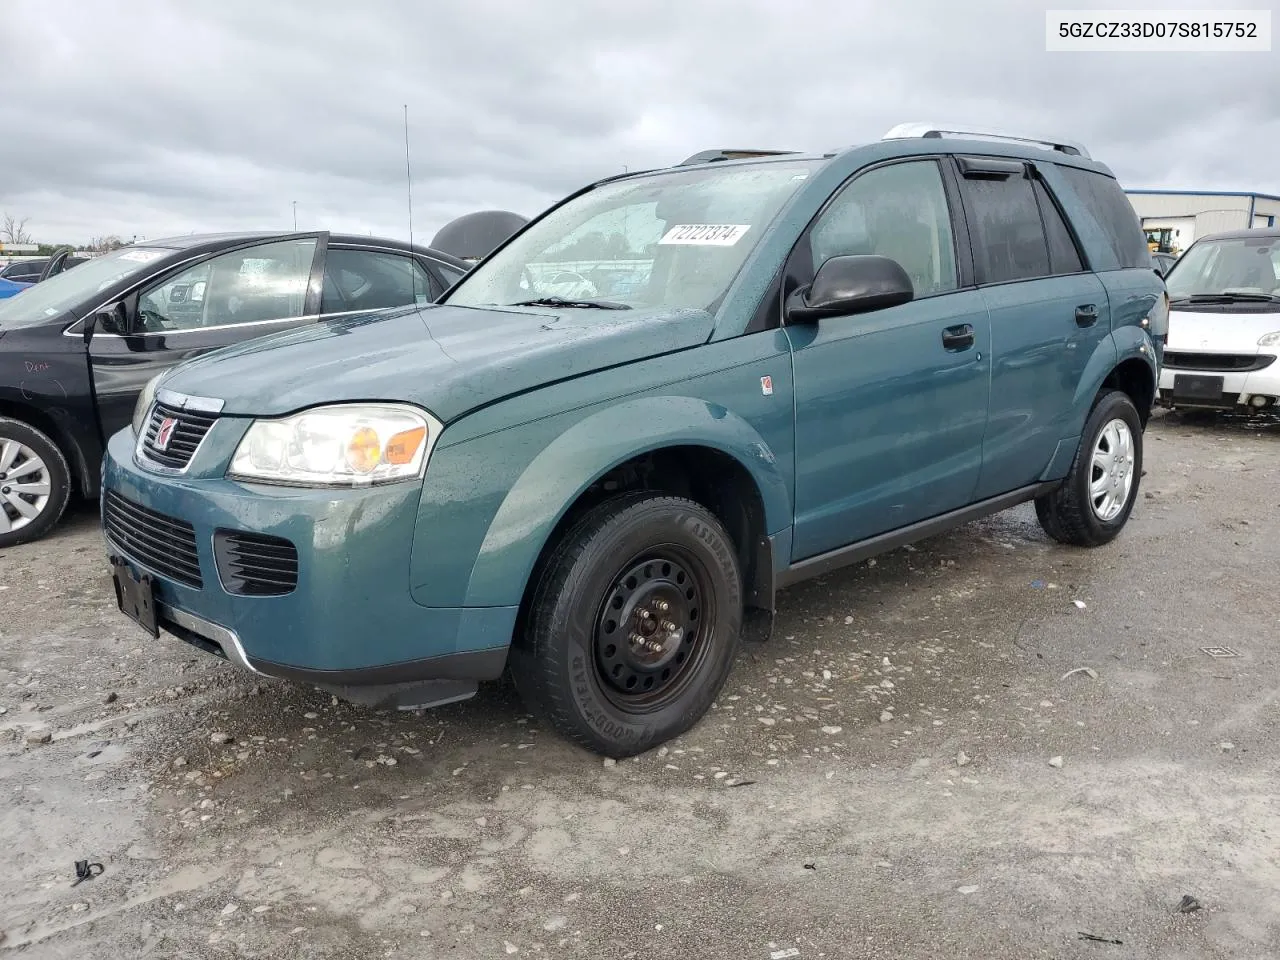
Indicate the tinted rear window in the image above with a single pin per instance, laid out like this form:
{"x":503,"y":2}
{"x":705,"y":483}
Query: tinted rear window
{"x":1111,"y":208}
{"x":1063,"y":255}
{"x":1009,"y":240}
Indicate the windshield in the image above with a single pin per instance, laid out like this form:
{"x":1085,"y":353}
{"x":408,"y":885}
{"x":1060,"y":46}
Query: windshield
{"x":669,"y":240}
{"x":1247,"y":266}
{"x":71,"y":289}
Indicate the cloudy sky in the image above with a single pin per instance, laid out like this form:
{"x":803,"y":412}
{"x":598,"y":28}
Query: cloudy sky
{"x":153,"y":117}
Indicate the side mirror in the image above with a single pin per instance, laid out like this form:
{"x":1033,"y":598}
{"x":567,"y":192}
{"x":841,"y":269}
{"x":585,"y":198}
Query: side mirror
{"x":113,"y":319}
{"x":853,"y":284}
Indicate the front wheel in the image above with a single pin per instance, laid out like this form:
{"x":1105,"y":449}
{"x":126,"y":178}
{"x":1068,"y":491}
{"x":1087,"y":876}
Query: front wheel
{"x":1094,"y":502}
{"x":35,"y":483}
{"x":633,"y":625}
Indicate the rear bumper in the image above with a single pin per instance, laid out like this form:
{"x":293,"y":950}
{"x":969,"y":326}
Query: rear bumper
{"x":350,"y":625}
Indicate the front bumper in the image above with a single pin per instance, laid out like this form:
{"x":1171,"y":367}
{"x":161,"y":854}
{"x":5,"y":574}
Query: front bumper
{"x":351,"y":623}
{"x":1255,"y":390}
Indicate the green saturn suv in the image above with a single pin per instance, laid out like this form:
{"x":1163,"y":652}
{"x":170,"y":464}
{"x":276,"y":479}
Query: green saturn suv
{"x":596,"y":461}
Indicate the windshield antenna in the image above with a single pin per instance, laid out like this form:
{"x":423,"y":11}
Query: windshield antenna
{"x":408,"y":178}
{"x":408,"y":175}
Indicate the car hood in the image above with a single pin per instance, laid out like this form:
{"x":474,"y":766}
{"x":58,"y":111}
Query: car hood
{"x":447,"y":359}
{"x":1219,"y":332}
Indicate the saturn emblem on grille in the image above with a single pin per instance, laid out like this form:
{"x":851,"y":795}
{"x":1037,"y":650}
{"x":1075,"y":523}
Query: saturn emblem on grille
{"x":165,"y":433}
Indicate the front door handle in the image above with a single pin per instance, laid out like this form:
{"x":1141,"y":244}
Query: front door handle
{"x":958,"y":338}
{"x":1086,"y":315}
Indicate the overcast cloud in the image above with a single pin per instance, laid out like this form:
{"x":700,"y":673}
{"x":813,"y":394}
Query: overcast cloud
{"x":157,"y":118}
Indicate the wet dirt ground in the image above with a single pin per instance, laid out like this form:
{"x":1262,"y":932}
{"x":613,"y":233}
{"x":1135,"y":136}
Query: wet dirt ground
{"x":915,"y":766}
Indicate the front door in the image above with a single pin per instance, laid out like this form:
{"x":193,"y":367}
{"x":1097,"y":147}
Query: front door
{"x":890,"y":405}
{"x":230,"y":297}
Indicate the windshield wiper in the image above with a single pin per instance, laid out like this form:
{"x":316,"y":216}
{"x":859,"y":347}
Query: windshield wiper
{"x":562,"y":302}
{"x":1227,"y":298}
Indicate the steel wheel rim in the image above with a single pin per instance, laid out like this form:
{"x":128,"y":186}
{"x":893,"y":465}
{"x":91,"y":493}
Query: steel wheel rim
{"x":25,"y":485}
{"x":1111,"y":470}
{"x":645,"y":653}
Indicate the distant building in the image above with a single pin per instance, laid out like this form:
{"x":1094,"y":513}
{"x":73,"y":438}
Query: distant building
{"x":1172,"y":219}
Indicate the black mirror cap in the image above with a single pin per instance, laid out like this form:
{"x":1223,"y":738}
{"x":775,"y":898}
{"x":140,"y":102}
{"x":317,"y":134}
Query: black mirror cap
{"x":113,"y":319}
{"x":851,"y":284}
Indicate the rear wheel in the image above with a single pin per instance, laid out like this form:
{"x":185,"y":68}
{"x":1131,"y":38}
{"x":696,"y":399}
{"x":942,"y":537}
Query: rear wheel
{"x":35,"y":483}
{"x":1094,"y":502}
{"x":633,"y":625}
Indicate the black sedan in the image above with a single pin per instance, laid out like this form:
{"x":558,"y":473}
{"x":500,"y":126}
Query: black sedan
{"x":34,"y":270}
{"x":77,"y":349}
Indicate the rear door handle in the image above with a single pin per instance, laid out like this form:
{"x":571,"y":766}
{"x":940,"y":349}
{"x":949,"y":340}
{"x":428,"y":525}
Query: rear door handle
{"x":959,"y":337}
{"x":1086,"y":315}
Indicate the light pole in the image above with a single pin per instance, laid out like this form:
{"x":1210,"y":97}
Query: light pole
{"x":295,"y":216}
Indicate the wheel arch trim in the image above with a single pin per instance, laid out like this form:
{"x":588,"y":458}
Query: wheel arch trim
{"x":580,"y":456}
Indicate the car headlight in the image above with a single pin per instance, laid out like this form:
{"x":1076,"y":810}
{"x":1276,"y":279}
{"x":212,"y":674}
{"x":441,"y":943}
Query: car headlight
{"x":145,"y":399}
{"x":344,"y":445}
{"x":1269,"y":339}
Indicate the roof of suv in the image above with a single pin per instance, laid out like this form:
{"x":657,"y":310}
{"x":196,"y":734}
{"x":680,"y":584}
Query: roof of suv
{"x":940,"y":139}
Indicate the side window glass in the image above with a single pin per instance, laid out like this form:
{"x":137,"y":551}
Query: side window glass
{"x":900,"y":212}
{"x":372,"y":280}
{"x":267,"y":282}
{"x":1009,"y":239}
{"x":1063,"y":255}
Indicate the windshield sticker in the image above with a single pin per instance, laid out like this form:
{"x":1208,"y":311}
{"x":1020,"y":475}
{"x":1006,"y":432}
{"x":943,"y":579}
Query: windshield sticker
{"x":705,"y":234}
{"x":142,"y":256}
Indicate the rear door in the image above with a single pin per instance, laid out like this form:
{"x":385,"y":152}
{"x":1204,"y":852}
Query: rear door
{"x":226,"y":298}
{"x":1048,"y":315}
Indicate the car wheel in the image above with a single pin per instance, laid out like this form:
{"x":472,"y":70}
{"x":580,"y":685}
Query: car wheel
{"x":1094,"y":502}
{"x":35,"y":483}
{"x":633,"y":624}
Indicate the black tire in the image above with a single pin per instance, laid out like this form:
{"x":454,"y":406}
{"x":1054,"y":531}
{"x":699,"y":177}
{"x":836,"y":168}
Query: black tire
{"x":56,"y":473}
{"x":626,"y":555}
{"x":1068,"y":514}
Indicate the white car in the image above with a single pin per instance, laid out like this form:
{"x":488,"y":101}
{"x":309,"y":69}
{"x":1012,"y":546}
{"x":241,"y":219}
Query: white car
{"x":1224,"y":324}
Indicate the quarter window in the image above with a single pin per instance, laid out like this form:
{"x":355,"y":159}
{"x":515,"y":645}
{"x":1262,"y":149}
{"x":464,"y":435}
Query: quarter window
{"x":267,"y":282}
{"x":900,"y":212}
{"x":1106,"y":201}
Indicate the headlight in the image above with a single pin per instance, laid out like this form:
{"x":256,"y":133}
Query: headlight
{"x":145,"y":399}
{"x":1269,"y":339}
{"x":345,"y":445}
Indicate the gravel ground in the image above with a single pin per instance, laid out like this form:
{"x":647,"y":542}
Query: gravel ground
{"x":917,"y":765}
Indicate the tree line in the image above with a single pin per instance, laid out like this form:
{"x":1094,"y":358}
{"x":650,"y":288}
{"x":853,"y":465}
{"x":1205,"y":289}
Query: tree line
{"x":14,"y":230}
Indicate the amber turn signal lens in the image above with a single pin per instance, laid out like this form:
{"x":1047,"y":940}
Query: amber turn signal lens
{"x":364,"y":451}
{"x":403,"y":447}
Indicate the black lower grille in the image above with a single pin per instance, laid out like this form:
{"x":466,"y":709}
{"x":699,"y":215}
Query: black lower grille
{"x":161,"y":543}
{"x":172,"y":436}
{"x":254,"y":564}
{"x":1226,"y":362}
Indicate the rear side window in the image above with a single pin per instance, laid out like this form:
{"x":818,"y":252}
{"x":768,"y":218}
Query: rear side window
{"x":1063,"y":255}
{"x":1009,"y":239}
{"x":1111,"y":208}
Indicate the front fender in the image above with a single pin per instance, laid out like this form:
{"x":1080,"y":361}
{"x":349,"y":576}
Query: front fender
{"x":579,"y":456}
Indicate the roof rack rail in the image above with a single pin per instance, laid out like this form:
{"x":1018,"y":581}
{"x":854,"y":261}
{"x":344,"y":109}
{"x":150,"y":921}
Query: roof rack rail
{"x":711,"y":156}
{"x":905,"y":131}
